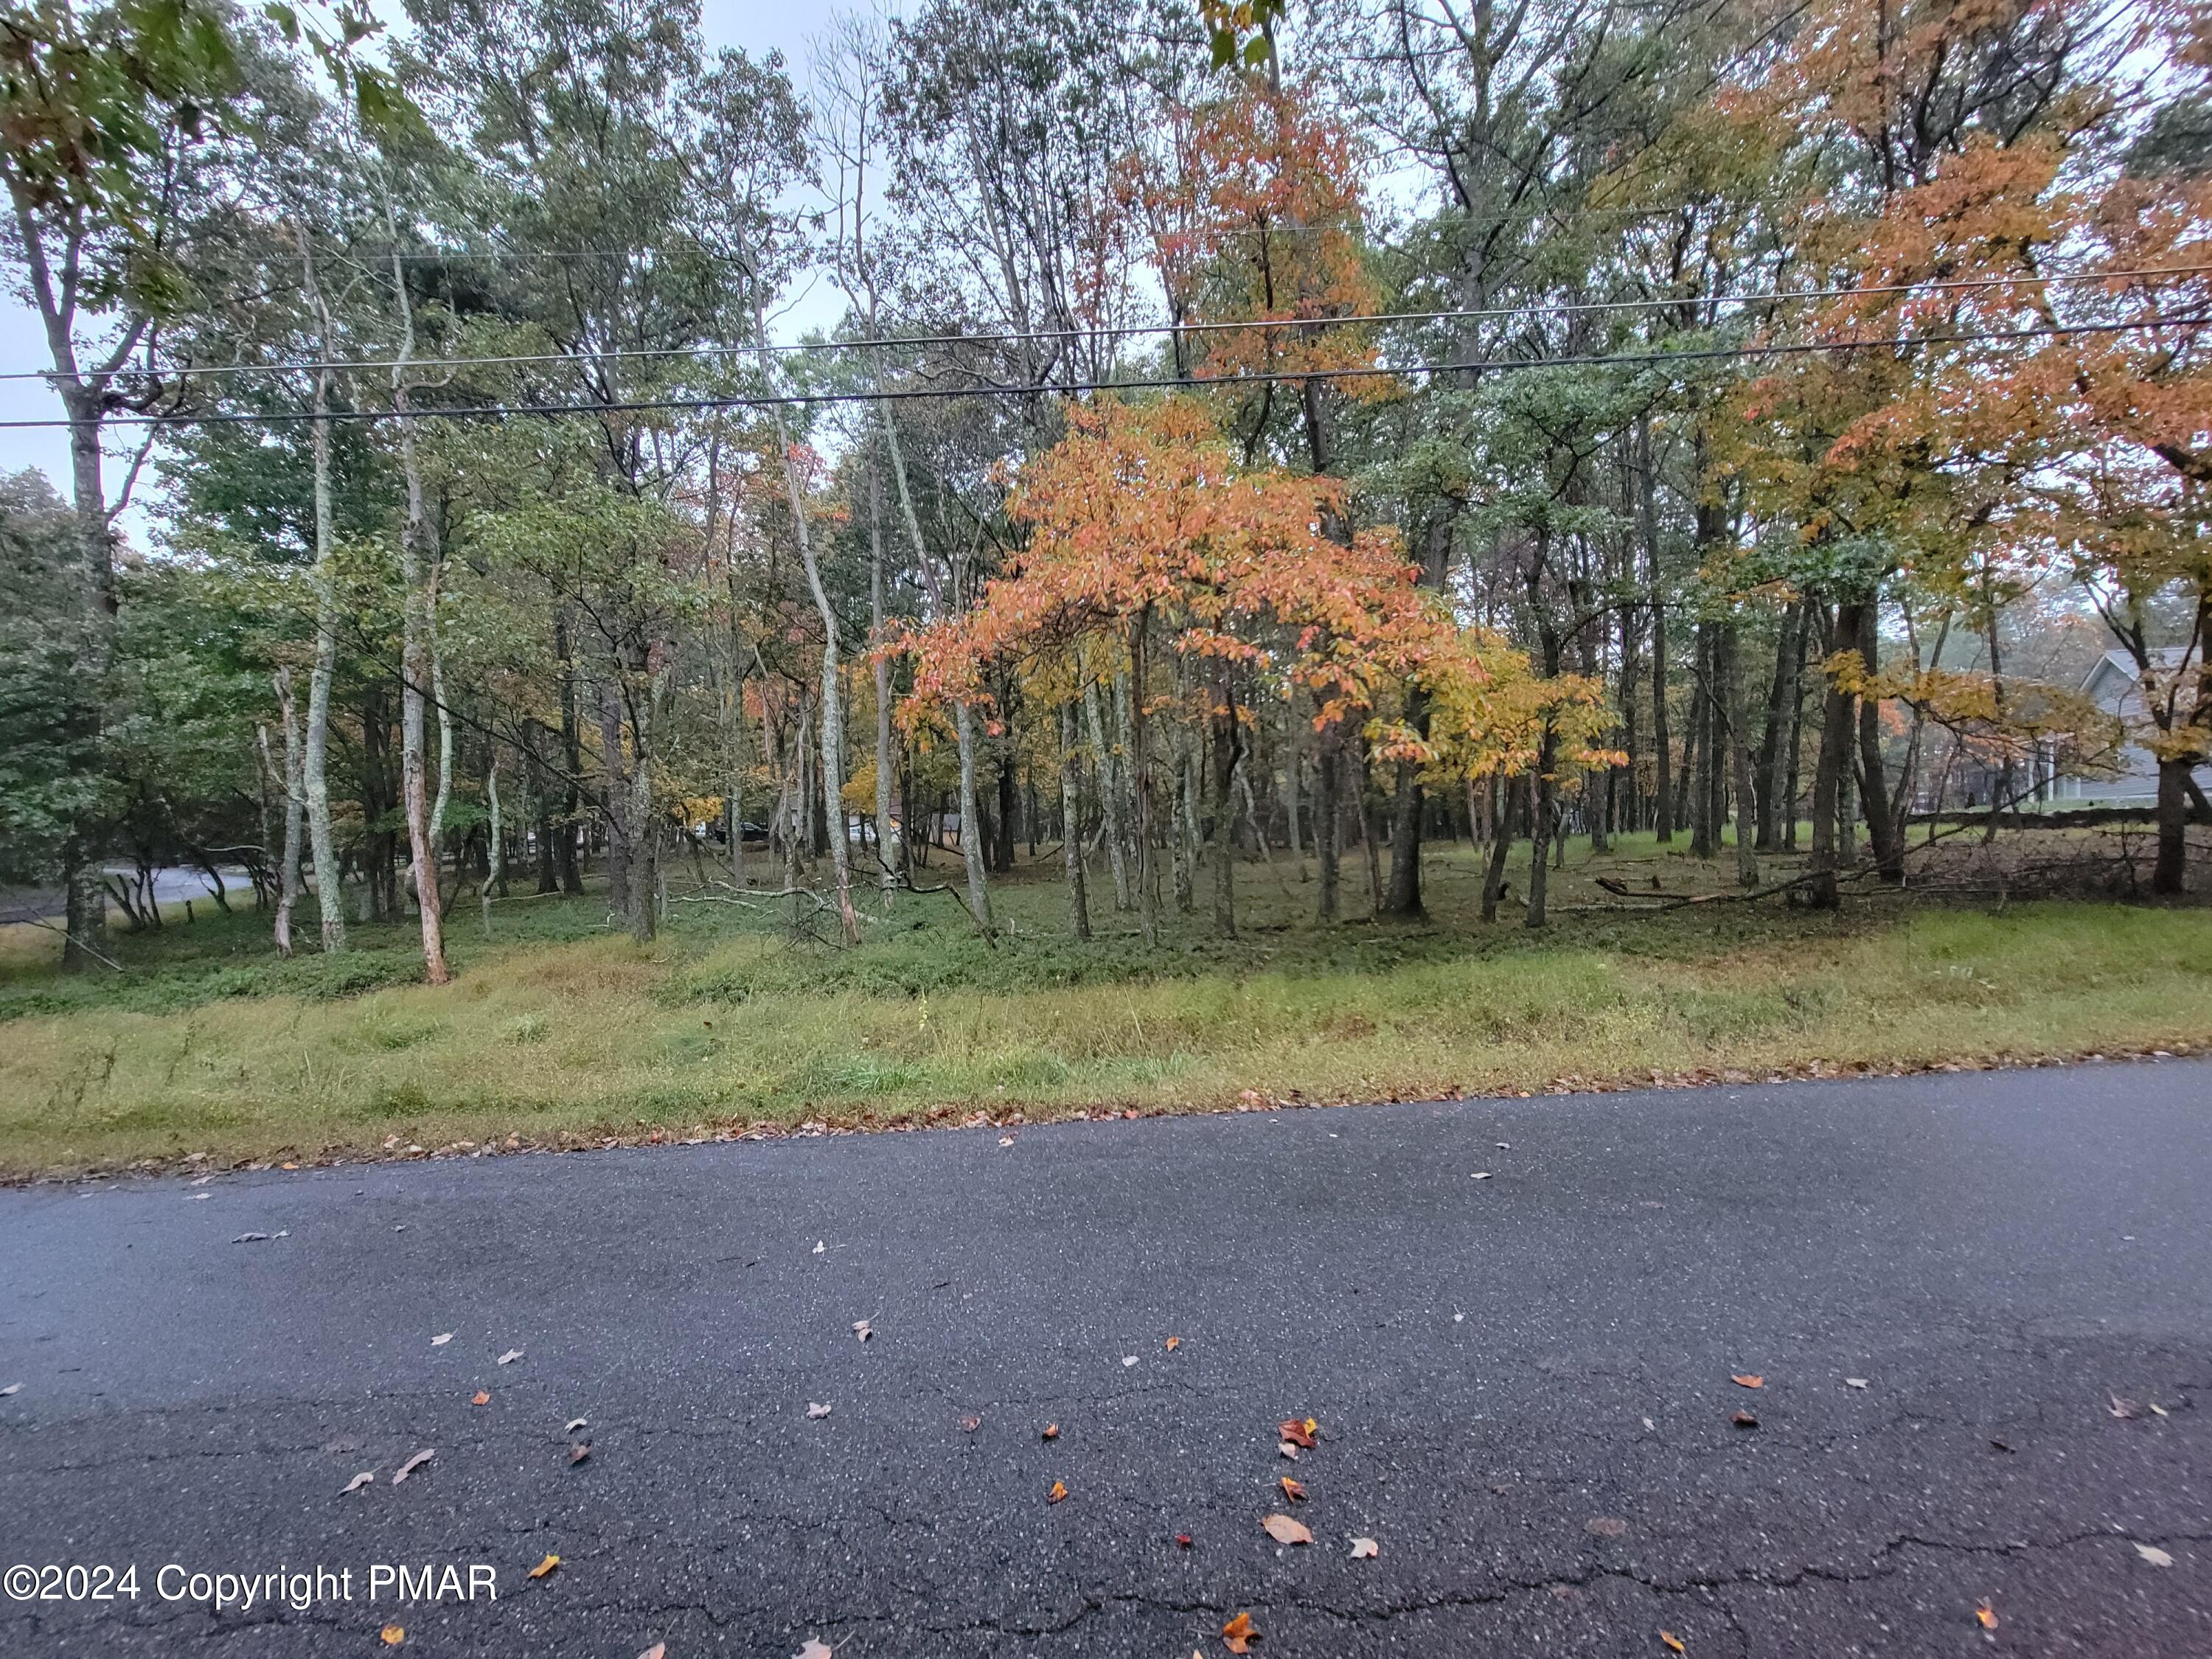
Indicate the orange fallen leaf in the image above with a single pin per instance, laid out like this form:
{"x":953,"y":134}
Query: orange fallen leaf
{"x":658,"y":1650}
{"x":392,"y":1635}
{"x":1293,"y":1491}
{"x":1750,"y":1381}
{"x":481,"y":1397}
{"x":1674,"y":1641}
{"x":1238,"y":1632}
{"x":1284,"y":1530}
{"x":545,"y":1566}
{"x":1174,"y":1342}
{"x":1297,"y":1433}
{"x":1051,"y":1431}
{"x":1743,"y":1419}
{"x":1986,"y":1616}
{"x":1059,"y":1491}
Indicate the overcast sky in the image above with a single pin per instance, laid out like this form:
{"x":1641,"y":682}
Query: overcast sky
{"x":758,"y":26}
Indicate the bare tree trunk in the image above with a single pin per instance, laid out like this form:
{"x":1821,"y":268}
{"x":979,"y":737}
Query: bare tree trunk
{"x":287,"y":874}
{"x":1141,"y":772}
{"x":1837,"y":719}
{"x":1110,"y":795}
{"x":1503,"y":798}
{"x":888,"y":862}
{"x":833,"y":705}
{"x":314,"y":766}
{"x":972,"y":850}
{"x":1731,"y":670}
{"x":1540,"y":825}
{"x":1070,"y":827}
{"x":496,"y":871}
{"x":1328,"y":813}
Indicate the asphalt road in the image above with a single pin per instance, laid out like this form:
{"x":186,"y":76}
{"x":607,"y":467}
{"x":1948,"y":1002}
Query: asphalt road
{"x":1523,"y":1385}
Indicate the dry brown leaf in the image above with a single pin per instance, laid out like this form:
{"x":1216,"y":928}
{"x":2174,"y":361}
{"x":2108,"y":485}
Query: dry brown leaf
{"x":481,"y":1397}
{"x":1743,"y":1419}
{"x":2122,"y":1409}
{"x":1749,"y":1380}
{"x":361,"y":1481}
{"x":862,"y":1330}
{"x":1051,"y":1431}
{"x":579,"y":1452}
{"x":970,"y":1423}
{"x":414,"y":1463}
{"x":1059,"y":1491}
{"x":1297,"y":1433}
{"x":1239,"y":1631}
{"x":1674,"y":1643}
{"x":1364,"y":1547}
{"x":1986,"y":1616}
{"x":392,"y":1635}
{"x":1284,"y":1530}
{"x":1293,"y":1491}
{"x":1605,"y":1526}
{"x":1174,"y":1342}
{"x":545,"y":1566}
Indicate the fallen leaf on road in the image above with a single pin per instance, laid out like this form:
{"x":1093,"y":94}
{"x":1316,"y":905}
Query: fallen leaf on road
{"x":2155,"y":1555}
{"x":1605,"y":1526}
{"x":1855,"y":1382}
{"x":1288,"y":1449}
{"x":574,"y":1423}
{"x":1182,"y":1540}
{"x":1362,"y":1547}
{"x":1743,"y":1421}
{"x":1293,"y":1491}
{"x":1284,"y":1530}
{"x":1238,"y":1632}
{"x":813,"y":1649}
{"x":1051,"y":1431}
{"x":2000,"y":1445}
{"x":1674,"y":1643}
{"x":13,"y":1387}
{"x":2122,"y":1409}
{"x":414,"y":1463}
{"x":510,"y":1356}
{"x":658,"y":1650}
{"x":1297,"y":1433}
{"x":442,"y":1339}
{"x":815,"y":1408}
{"x":545,"y":1566}
{"x":1174,"y":1342}
{"x":1481,"y":1175}
{"x":1748,"y":1381}
{"x":392,"y":1635}
{"x":579,"y":1452}
{"x":1006,"y":1140}
{"x":249,"y":1238}
{"x":361,"y":1481}
{"x":1986,"y":1616}
{"x":481,"y":1397}
{"x":1059,"y":1491}
{"x":970,"y":1423}
{"x":820,"y":1247}
{"x":862,"y":1330}
{"x":2157,"y":1410}
{"x":1128,"y":1359}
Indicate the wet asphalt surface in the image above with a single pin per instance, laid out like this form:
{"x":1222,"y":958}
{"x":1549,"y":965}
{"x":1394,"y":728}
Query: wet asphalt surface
{"x":1522,"y":1385}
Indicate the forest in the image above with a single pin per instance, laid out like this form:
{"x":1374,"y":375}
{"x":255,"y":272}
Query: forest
{"x":1151,"y":474}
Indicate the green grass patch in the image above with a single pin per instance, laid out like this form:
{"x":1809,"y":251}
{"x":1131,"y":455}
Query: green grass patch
{"x":206,"y":1042}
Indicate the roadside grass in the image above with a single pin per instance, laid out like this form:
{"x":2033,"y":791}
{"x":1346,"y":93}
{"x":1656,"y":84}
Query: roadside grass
{"x":555,"y":1029}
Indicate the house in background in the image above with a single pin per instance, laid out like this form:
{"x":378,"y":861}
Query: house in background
{"x":2114,"y":686}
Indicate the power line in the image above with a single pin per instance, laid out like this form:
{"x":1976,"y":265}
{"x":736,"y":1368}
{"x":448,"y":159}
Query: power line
{"x":1125,"y":330}
{"x":905,"y":394}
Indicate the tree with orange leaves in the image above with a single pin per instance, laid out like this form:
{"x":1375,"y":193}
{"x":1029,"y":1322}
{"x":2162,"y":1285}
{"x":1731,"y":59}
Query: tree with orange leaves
{"x":1143,"y":527}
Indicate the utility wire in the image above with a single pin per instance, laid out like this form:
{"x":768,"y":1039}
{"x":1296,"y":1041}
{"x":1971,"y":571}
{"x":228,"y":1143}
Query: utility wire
{"x":1123,"y":330}
{"x":905,"y":394}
